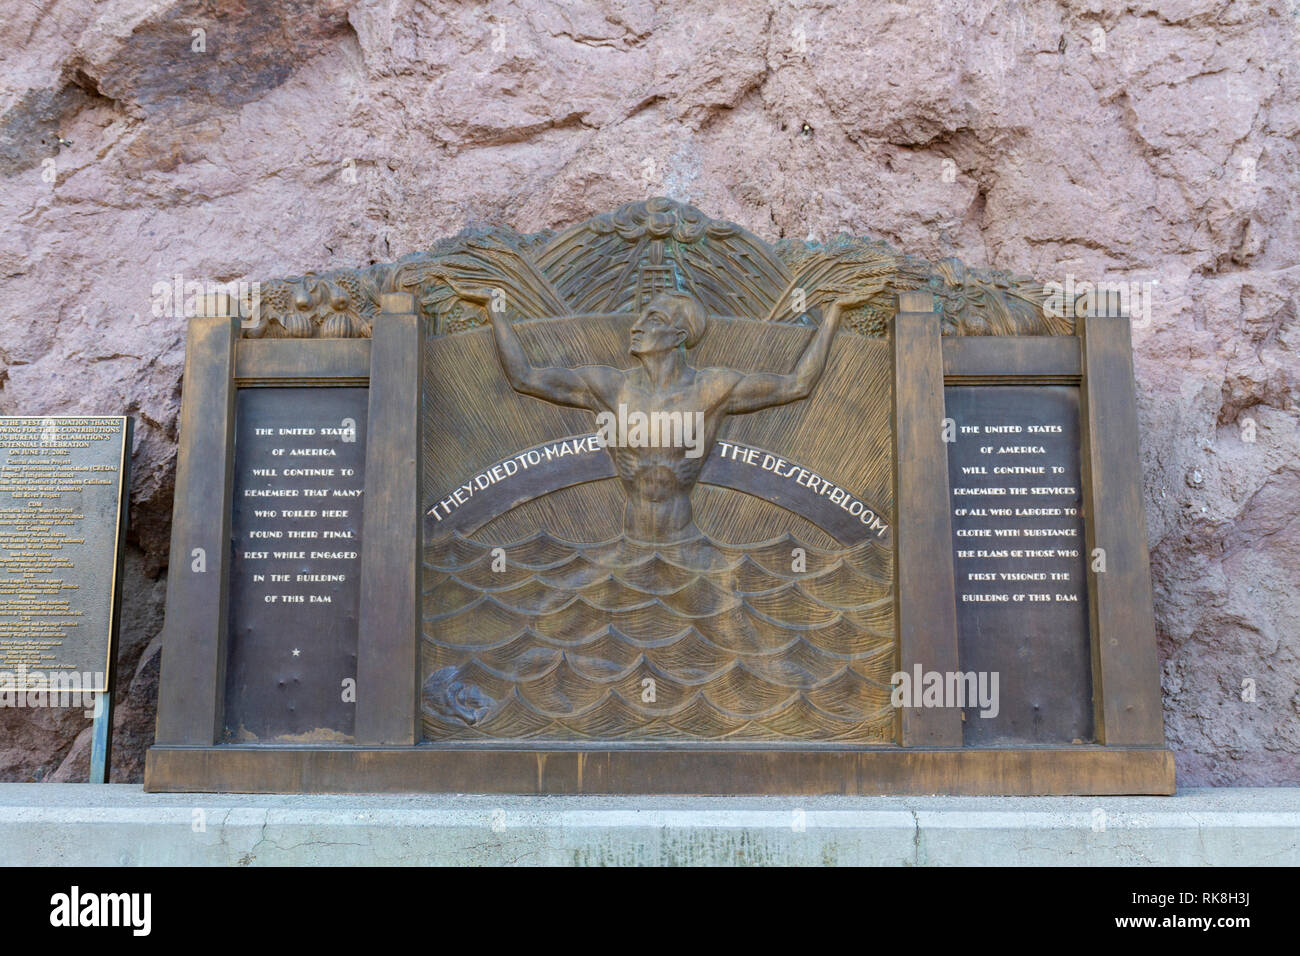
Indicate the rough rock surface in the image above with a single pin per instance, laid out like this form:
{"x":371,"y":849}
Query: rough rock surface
{"x":1139,"y":141}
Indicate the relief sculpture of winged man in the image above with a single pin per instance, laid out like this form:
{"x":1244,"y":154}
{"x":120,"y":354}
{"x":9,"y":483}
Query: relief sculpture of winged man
{"x":657,"y":479}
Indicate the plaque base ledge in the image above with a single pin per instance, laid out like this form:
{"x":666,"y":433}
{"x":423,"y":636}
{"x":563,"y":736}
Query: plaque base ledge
{"x":1039,"y":771}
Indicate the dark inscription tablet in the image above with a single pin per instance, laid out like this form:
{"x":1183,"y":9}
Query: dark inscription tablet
{"x":60,"y":512}
{"x":1018,"y":558}
{"x":296,"y":563}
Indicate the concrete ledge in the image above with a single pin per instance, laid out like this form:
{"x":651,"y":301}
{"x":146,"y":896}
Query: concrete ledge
{"x":120,"y":825}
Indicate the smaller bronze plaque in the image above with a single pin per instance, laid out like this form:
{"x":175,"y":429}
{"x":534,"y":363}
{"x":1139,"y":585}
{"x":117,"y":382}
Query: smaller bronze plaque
{"x":295,"y":569}
{"x":61,"y":488}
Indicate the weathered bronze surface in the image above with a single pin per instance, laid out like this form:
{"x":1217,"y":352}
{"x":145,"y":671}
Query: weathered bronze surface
{"x":625,"y":601}
{"x":548,"y":604}
{"x":973,"y":770}
{"x":62,"y":488}
{"x":664,"y":394}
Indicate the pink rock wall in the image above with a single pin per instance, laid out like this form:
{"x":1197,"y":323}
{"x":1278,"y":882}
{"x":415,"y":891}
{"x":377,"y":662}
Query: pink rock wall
{"x":1153,"y":144}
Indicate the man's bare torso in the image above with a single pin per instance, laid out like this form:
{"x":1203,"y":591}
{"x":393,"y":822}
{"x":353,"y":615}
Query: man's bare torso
{"x":658,"y":479}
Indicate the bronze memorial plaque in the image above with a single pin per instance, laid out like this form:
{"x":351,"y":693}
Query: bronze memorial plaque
{"x":652,"y":505}
{"x":61,"y":522}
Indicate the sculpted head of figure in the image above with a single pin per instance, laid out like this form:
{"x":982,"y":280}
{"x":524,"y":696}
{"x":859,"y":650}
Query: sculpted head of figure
{"x":669,"y":320}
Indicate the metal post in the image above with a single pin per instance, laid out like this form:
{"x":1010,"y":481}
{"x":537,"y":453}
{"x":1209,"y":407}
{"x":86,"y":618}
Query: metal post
{"x":101,"y":737}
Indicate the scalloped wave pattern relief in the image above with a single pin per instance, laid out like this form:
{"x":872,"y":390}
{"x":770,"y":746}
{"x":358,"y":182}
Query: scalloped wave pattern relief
{"x":629,"y":640}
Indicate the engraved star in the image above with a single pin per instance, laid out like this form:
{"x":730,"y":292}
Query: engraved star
{"x":296,"y":652}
